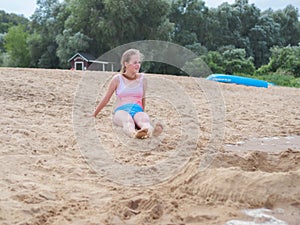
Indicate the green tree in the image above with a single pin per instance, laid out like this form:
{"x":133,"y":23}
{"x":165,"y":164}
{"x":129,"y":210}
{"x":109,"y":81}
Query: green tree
{"x":88,"y":18}
{"x":16,"y":46}
{"x":288,"y":19}
{"x":236,"y":62}
{"x":197,"y":48}
{"x":234,"y":24}
{"x":69,"y":44}
{"x":230,"y":60}
{"x":8,"y":20}
{"x":111,"y":23}
{"x":284,"y":60}
{"x":45,"y":27}
{"x":215,"y":61}
{"x":36,"y":48}
{"x":2,"y":42}
{"x":132,"y":20}
{"x":264,"y":35}
{"x":189,"y":17}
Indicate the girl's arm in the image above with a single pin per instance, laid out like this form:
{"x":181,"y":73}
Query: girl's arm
{"x":112,"y":87}
{"x":144,"y":94}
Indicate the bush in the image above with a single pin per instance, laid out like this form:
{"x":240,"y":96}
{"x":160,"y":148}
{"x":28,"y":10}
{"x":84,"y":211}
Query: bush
{"x":262,"y":70}
{"x":283,"y":60}
{"x":280,"y":79}
{"x":295,"y":82}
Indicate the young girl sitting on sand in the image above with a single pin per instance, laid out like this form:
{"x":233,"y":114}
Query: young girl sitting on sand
{"x":130,"y":88}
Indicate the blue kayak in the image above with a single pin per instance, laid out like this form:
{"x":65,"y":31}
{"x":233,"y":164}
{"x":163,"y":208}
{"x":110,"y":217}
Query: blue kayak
{"x":238,"y":80}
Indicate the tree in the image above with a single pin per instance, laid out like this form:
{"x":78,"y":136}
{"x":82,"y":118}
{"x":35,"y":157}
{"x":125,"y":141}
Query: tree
{"x":8,"y":20}
{"x":264,"y":35}
{"x":112,"y":23}
{"x":197,"y":48}
{"x":230,"y":60}
{"x":16,"y":46}
{"x":2,"y":42}
{"x":138,"y":20}
{"x":69,"y":44}
{"x":283,"y":60}
{"x":88,"y":18}
{"x":248,"y":15}
{"x":36,"y":48}
{"x":236,"y":62}
{"x":231,"y":24}
{"x":214,"y":61}
{"x":45,"y":27}
{"x":189,"y":17}
{"x":288,"y":19}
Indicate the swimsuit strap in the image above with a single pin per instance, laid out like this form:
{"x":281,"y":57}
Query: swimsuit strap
{"x":141,"y":78}
{"x":120,"y":78}
{"x":121,"y":82}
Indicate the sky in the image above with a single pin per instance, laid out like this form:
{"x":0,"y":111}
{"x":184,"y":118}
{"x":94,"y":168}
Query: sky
{"x":27,"y":7}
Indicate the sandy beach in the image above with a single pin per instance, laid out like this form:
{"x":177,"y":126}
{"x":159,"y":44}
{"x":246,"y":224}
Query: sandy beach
{"x":59,"y":167}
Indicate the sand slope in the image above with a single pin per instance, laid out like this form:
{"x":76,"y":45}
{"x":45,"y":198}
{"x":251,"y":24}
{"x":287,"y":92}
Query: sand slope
{"x":45,"y":178}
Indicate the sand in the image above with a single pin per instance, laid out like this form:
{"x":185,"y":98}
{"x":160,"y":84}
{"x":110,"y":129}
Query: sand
{"x":60,"y":167}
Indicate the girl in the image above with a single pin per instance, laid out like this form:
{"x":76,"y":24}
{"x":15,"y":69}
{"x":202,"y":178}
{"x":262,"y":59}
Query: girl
{"x":130,"y":88}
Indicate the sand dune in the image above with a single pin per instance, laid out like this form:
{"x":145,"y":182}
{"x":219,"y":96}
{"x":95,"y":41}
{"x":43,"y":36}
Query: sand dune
{"x":60,"y":167}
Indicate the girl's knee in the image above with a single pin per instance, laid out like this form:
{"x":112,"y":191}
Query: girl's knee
{"x":141,"y":117}
{"x":122,"y":117}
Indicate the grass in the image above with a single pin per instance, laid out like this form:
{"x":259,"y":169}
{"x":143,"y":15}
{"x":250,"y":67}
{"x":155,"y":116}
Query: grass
{"x":280,"y":80}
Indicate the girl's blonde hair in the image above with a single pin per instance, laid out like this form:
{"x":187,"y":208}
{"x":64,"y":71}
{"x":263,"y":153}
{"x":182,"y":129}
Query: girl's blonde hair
{"x":127,"y":56}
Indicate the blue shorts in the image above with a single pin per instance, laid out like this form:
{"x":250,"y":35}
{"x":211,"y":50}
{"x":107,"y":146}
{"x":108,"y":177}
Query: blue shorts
{"x":132,"y":109}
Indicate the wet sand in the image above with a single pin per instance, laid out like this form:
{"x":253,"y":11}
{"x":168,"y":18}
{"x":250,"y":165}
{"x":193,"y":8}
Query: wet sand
{"x":49,"y":178}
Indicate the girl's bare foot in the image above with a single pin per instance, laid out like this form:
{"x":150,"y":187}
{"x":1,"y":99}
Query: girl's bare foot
{"x":158,"y":129}
{"x":142,"y":134}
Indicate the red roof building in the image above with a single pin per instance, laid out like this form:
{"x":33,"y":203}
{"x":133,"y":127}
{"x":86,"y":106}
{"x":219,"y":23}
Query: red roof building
{"x":83,"y":61}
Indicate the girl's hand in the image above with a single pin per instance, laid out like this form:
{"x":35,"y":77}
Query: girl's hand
{"x":89,"y":115}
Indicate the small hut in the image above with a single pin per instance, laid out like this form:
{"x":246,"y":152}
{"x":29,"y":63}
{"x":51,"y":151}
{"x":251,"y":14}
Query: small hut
{"x":82,"y":61}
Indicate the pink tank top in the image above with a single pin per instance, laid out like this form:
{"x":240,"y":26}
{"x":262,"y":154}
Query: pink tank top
{"x":127,"y":94}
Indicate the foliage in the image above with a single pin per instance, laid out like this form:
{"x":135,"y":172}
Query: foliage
{"x":232,"y":38}
{"x":69,"y":44}
{"x":214,"y":61}
{"x":280,"y":79}
{"x":197,"y":68}
{"x":197,"y":48}
{"x":264,"y":35}
{"x":284,"y":60}
{"x":4,"y":59}
{"x":8,"y":20}
{"x":2,"y":41}
{"x":229,"y":61}
{"x":16,"y":46}
{"x":288,"y":19}
{"x":188,"y":16}
{"x":112,"y":23}
{"x":138,"y":20}
{"x":36,"y":47}
{"x":46,"y":25}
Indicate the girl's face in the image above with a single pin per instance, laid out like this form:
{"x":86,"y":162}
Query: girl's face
{"x":134,"y":64}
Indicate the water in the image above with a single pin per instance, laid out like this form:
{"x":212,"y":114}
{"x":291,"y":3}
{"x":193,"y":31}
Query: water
{"x":266,"y":144}
{"x":259,"y":217}
{"x":269,"y":145}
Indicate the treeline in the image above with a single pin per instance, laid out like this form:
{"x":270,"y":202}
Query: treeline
{"x":234,"y":38}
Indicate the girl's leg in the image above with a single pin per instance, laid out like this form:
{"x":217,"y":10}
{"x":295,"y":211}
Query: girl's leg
{"x":143,"y":121}
{"x":124,"y":120}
